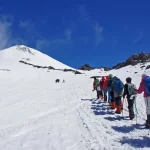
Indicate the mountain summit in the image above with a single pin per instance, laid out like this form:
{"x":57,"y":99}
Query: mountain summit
{"x":17,"y":53}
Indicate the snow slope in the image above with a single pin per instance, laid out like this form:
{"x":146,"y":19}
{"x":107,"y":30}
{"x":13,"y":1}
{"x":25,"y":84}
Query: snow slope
{"x":38,"y":114}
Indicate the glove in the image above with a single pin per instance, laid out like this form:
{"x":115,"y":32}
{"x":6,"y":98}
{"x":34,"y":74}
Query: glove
{"x":132,"y":97}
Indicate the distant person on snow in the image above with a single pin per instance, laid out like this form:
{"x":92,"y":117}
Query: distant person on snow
{"x":130,"y":92}
{"x":145,"y":87}
{"x":57,"y":80}
{"x":96,"y":87}
{"x":117,"y":87}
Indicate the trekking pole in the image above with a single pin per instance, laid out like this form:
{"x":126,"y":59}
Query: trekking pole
{"x":126,"y":102}
{"x":122,"y":106}
{"x":136,"y":111}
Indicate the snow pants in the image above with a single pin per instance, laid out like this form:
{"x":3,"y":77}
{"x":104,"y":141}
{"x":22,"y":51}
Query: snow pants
{"x":105,"y":91}
{"x":131,"y":106}
{"x":118,"y":101}
{"x":147,"y":103}
{"x":112,"y":96}
{"x":99,"y":93}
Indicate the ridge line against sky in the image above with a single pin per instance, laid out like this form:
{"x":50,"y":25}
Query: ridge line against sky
{"x":76,"y":33}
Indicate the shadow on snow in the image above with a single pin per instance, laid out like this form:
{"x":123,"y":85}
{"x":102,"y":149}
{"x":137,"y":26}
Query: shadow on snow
{"x":127,"y":129}
{"x":140,"y":142}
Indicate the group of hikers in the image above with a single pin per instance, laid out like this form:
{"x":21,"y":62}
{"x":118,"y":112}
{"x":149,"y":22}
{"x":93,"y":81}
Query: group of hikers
{"x":111,"y":89}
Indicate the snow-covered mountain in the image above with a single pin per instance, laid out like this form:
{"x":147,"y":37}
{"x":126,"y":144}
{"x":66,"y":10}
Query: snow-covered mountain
{"x":13,"y":55}
{"x":37,"y":113}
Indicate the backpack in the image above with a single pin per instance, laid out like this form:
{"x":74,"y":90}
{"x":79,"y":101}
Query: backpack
{"x":132,"y":89}
{"x":96,"y":83}
{"x":109,"y":83}
{"x":101,"y":83}
{"x":118,"y":85}
{"x":147,"y":85}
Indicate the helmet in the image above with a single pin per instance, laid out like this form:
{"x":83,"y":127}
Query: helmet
{"x":128,"y":80}
{"x":111,"y":76}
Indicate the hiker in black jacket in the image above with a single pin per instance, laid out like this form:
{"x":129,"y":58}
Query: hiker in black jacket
{"x":130,"y":92}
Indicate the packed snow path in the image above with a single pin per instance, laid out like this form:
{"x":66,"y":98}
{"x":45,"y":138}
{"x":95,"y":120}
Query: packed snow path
{"x":36,"y":115}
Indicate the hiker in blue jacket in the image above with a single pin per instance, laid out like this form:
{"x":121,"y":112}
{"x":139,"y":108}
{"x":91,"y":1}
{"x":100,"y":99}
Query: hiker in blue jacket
{"x":117,"y":87}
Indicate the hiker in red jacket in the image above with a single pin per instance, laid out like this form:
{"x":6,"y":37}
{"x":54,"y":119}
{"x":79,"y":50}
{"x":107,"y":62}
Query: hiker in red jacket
{"x":102,"y":86}
{"x":145,"y":87}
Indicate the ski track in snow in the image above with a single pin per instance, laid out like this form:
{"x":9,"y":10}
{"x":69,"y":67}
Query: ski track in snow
{"x":38,"y":114}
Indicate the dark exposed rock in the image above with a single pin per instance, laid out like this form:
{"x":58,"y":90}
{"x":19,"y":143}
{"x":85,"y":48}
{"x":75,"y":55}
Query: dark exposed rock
{"x":105,"y":68}
{"x":51,"y":68}
{"x":142,"y":66}
{"x":148,"y":67}
{"x":134,"y":60}
{"x":86,"y":67}
{"x":24,"y":49}
{"x":65,"y":70}
{"x":77,"y":72}
{"x":5,"y":69}
{"x":135,"y":72}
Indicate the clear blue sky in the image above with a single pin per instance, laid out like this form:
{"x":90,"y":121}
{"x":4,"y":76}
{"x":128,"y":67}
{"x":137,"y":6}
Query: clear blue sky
{"x":75,"y":32}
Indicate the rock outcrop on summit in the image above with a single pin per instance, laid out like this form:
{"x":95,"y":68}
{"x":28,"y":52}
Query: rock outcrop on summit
{"x":134,"y":60}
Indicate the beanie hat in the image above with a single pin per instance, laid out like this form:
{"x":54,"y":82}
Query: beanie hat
{"x":111,"y":76}
{"x":144,"y":75}
{"x":128,"y":80}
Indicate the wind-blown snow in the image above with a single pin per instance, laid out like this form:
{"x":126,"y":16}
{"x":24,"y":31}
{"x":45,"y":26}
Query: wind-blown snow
{"x":38,"y":114}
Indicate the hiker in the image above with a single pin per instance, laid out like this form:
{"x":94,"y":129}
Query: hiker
{"x":57,"y":80}
{"x":145,"y":87}
{"x":102,"y":86}
{"x":117,"y":87}
{"x":105,"y":89}
{"x":96,"y":87}
{"x":130,"y":92}
{"x":111,"y":99}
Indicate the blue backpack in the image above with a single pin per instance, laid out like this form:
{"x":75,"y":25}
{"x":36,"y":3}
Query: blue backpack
{"x":147,"y":85}
{"x":118,"y":85}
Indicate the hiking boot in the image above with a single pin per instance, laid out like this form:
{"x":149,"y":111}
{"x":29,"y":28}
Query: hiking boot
{"x":121,"y":106}
{"x":147,"y":126}
{"x":131,"y":117}
{"x":113,"y":105}
{"x":109,"y":103}
{"x":118,"y":110}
